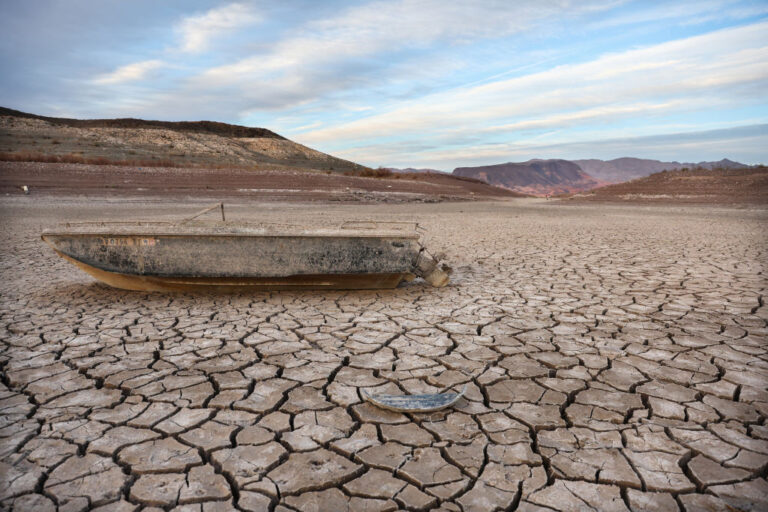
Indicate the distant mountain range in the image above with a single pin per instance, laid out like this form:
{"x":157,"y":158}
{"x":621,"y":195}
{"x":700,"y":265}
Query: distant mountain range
{"x":542,"y":177}
{"x":625,"y":169}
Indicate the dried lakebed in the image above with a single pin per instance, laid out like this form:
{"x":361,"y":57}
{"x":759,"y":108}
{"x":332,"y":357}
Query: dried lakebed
{"x":615,"y":359}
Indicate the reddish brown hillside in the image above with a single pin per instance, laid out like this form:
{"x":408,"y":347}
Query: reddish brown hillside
{"x":748,"y":185}
{"x":72,"y":179}
{"x":534,"y":177}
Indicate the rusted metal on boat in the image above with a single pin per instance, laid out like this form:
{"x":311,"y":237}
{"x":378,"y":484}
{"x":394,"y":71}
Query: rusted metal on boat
{"x":195,"y":255}
{"x":415,"y":403}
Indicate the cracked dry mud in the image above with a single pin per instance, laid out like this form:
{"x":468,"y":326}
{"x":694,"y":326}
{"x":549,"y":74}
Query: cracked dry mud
{"x":615,"y":359}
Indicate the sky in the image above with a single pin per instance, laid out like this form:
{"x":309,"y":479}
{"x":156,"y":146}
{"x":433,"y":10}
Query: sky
{"x":411,"y":83}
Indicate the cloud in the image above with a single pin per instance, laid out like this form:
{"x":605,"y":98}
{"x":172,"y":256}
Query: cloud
{"x":569,"y":118}
{"x":380,"y":27}
{"x":686,"y":13}
{"x":729,"y":65}
{"x":129,"y":73}
{"x":397,"y":47}
{"x":197,"y":31}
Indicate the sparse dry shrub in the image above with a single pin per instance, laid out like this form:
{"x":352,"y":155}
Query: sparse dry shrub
{"x":366,"y":172}
{"x":381,"y":172}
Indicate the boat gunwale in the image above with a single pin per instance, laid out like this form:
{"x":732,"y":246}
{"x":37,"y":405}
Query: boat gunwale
{"x":242,"y":228}
{"x":202,"y":232}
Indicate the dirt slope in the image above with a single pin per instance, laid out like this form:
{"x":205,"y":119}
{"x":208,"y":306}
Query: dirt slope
{"x":187,"y":143}
{"x":57,"y":179}
{"x":748,"y":185}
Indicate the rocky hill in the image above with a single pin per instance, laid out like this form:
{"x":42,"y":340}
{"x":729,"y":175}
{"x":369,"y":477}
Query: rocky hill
{"x":710,"y":186}
{"x":624,"y":169}
{"x":535,"y":177}
{"x":181,"y":143}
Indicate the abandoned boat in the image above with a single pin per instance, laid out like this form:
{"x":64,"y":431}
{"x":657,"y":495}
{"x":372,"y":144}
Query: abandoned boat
{"x":195,"y":255}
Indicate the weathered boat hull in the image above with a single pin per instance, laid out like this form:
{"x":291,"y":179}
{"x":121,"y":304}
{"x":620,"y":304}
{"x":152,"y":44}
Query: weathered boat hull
{"x":235,"y":256}
{"x":231,"y":284}
{"x":162,"y":257}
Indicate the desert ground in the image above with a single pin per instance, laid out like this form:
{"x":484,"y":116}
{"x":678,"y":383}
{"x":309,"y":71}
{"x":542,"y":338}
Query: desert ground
{"x":616,"y":358}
